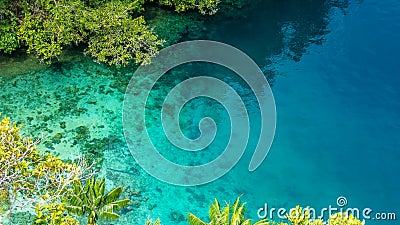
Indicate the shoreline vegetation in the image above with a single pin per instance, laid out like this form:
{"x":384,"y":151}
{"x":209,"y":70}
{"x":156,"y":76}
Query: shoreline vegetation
{"x":129,"y":32}
{"x":117,"y":33}
{"x":71,"y":31}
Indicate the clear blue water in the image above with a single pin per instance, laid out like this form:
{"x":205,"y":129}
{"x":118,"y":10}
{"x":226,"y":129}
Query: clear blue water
{"x":338,"y":112}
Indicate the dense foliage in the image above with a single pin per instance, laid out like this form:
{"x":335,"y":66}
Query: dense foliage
{"x":113,"y":32}
{"x":28,"y":176}
{"x":92,"y":200}
{"x":204,"y":6}
{"x":235,"y":214}
{"x":112,"y":35}
{"x":53,"y":187}
{"x":88,"y":200}
{"x":226,"y":215}
{"x":53,"y":214}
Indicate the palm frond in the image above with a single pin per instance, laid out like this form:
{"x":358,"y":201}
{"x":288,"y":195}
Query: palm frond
{"x":92,"y":218}
{"x":86,"y":197}
{"x":98,"y":201}
{"x":120,"y":204}
{"x":112,"y":195}
{"x":75,"y":209}
{"x":194,"y":220}
{"x":109,"y":216}
{"x":86,"y":208}
{"x":236,"y":216}
{"x":236,"y":219}
{"x":99,"y":187}
{"x":224,"y":218}
{"x":91,"y":193}
{"x":215,"y":212}
{"x":246,"y":222}
{"x":91,"y":200}
{"x":77,"y":187}
{"x":262,"y":222}
{"x":75,"y":200}
{"x":236,"y":205}
{"x":89,"y":184}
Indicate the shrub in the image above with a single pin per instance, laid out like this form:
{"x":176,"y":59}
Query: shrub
{"x":28,"y":177}
{"x":92,"y":200}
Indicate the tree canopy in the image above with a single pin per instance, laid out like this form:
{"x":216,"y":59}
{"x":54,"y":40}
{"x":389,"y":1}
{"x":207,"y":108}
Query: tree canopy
{"x":113,"y":32}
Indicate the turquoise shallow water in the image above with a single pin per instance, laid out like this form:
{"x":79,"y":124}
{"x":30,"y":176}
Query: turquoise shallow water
{"x":338,"y":105}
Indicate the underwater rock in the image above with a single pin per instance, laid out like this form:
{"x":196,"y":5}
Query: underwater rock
{"x":176,"y":216}
{"x":57,"y":138}
{"x":92,"y":102}
{"x":101,"y":89}
{"x":109,"y":92}
{"x":79,"y":111}
{"x":136,"y":203}
{"x":94,"y":149}
{"x":190,"y":190}
{"x":136,"y":193}
{"x":49,"y":145}
{"x":200,"y":197}
{"x":114,"y":85}
{"x":112,"y":176}
{"x":121,"y":88}
{"x":82,"y":132}
{"x":119,"y":85}
{"x":151,"y":206}
{"x":46,"y":118}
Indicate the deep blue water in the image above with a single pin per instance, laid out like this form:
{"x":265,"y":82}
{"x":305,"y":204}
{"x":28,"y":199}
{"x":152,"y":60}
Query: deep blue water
{"x":338,"y":116}
{"x":336,"y":86}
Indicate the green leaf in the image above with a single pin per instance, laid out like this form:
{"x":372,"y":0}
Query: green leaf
{"x":108,"y":216}
{"x":120,"y":204}
{"x":112,"y":195}
{"x":194,"y":220}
